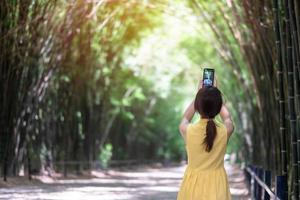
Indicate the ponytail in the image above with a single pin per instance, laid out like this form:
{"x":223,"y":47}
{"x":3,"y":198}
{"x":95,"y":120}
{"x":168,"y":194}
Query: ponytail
{"x":211,"y":132}
{"x":208,"y":103}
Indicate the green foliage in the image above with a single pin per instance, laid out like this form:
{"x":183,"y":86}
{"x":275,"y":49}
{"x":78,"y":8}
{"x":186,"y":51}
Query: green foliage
{"x":105,"y":155}
{"x":87,"y":78}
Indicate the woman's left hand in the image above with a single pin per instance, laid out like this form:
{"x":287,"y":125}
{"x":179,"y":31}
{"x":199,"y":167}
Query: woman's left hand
{"x":200,"y":85}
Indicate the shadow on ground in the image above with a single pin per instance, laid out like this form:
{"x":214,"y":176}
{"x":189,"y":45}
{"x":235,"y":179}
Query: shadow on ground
{"x":143,"y":183}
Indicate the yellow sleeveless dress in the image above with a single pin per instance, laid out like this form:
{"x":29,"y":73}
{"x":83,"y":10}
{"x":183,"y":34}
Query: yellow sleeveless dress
{"x":205,"y":177}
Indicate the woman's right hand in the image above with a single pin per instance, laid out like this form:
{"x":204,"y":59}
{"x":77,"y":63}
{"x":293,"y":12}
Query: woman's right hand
{"x":215,"y":82}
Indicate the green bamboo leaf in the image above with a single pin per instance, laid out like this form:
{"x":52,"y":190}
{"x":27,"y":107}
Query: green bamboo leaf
{"x":126,"y":102}
{"x":138,"y":94}
{"x":65,"y":78}
{"x":115,"y":101}
{"x":128,"y":115}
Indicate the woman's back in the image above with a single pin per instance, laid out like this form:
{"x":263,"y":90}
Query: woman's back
{"x":198,"y":157}
{"x":205,"y":177}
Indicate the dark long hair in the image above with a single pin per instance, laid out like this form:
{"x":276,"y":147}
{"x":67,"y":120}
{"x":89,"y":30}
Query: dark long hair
{"x":208,"y":103}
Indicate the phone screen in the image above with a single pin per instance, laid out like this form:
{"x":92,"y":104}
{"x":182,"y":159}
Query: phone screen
{"x":208,"y":77}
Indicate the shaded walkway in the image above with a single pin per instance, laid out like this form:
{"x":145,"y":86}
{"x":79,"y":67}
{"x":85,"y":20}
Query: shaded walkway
{"x":139,"y":184}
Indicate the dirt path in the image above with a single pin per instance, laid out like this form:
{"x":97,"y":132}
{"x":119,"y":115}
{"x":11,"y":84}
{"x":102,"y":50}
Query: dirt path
{"x":139,"y":184}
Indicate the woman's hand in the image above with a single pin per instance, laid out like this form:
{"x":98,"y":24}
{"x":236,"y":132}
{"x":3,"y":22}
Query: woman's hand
{"x":200,"y":85}
{"x":215,"y":82}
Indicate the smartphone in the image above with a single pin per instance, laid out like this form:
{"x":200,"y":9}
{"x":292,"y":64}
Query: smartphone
{"x":208,"y":77}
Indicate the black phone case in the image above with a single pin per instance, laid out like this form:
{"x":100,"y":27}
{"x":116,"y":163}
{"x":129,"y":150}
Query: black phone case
{"x":208,"y":77}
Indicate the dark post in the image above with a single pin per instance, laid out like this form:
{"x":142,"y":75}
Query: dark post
{"x":252,"y":182}
{"x":255,"y":183}
{"x":29,"y":162}
{"x":65,"y":168}
{"x":281,"y":187}
{"x":260,"y":174}
{"x":247,"y":175}
{"x":267,"y":180}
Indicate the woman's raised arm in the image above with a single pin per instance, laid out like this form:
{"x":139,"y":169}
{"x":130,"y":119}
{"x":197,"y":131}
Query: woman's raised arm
{"x":187,"y":117}
{"x":226,"y":117}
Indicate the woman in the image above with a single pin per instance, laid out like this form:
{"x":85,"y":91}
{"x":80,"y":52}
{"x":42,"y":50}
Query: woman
{"x":205,"y":177}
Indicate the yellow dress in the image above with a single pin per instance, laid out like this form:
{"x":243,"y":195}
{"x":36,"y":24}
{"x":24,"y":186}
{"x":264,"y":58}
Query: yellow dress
{"x":205,"y":177}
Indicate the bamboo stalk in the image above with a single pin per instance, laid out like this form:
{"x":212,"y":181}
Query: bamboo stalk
{"x":281,"y":92}
{"x":291,"y":98}
{"x":295,"y":58}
